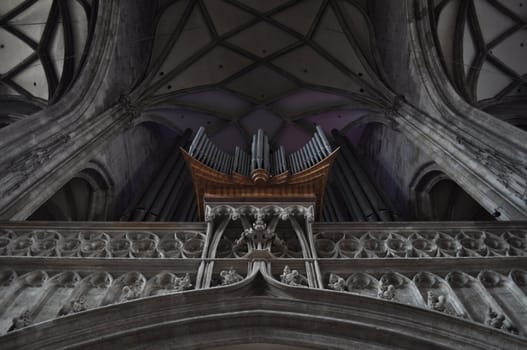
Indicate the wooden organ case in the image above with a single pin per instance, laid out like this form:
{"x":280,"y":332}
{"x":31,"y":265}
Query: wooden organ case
{"x":262,"y":174}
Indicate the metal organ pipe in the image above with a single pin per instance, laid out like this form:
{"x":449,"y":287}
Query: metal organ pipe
{"x":165,"y":197}
{"x":296,"y":162}
{"x":236,"y":160}
{"x":304,"y":158}
{"x":283,"y":165}
{"x":199,"y":148}
{"x":197,"y":139}
{"x":254,"y":163}
{"x":215,"y":161}
{"x":330,"y":195}
{"x":312,"y":152}
{"x":380,"y":208}
{"x":320,"y":146}
{"x":175,"y":196}
{"x":316,"y":154}
{"x":259,"y":149}
{"x":166,"y":191}
{"x":324,"y":139}
{"x":207,"y":152}
{"x":261,"y":156}
{"x":265,"y":150}
{"x":156,"y":185}
{"x":349,"y":197}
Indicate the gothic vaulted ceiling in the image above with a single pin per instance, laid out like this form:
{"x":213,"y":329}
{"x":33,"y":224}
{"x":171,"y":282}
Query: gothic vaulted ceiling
{"x":42,"y":47}
{"x":238,"y":65}
{"x":484,"y":50}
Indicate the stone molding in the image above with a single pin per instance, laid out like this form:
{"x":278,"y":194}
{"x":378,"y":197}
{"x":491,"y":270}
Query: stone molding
{"x":260,"y":309}
{"x":485,"y":288}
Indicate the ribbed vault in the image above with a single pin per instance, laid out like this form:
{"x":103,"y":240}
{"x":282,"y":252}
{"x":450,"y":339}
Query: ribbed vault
{"x":483,"y":47}
{"x":236,"y":66}
{"x":43,"y":45}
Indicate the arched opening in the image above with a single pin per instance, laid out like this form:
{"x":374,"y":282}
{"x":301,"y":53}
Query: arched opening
{"x":86,"y":197}
{"x":449,"y":202}
{"x":73,"y":202}
{"x":436,"y":197}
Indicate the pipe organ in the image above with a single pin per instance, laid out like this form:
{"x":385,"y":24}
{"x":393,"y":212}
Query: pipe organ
{"x":275,"y":161}
{"x":264,"y":173}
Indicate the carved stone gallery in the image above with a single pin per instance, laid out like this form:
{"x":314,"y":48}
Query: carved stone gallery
{"x":242,"y":174}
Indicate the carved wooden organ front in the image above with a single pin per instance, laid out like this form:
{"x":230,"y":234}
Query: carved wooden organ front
{"x":263,"y":174}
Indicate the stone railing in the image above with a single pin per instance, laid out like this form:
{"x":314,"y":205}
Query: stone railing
{"x":476,"y":272}
{"x":113,"y":244}
{"x":464,"y":242}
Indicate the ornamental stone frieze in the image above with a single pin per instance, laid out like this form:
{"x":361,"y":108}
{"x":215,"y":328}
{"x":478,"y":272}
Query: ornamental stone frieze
{"x":474,"y":273}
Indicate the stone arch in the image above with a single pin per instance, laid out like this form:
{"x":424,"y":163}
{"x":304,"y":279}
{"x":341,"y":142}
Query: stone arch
{"x":435,"y":196}
{"x":87,"y":196}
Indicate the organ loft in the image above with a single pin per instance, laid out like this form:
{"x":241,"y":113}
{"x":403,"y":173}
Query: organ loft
{"x":263,"y":174}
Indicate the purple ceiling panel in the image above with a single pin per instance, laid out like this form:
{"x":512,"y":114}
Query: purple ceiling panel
{"x":292,"y":137}
{"x":307,"y":100}
{"x":336,"y":119}
{"x":261,"y":119}
{"x":228,"y":138}
{"x":216,"y":100}
{"x":184,"y":118}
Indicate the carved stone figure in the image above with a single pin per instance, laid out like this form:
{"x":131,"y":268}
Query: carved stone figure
{"x":182,"y":283}
{"x":258,"y":236}
{"x":436,"y":302}
{"x":337,"y":283}
{"x":230,"y":276}
{"x":292,"y":278}
{"x":131,"y":292}
{"x":24,"y":320}
{"x":168,"y":283}
{"x":499,"y":321}
{"x":386,"y":291}
{"x":79,"y":304}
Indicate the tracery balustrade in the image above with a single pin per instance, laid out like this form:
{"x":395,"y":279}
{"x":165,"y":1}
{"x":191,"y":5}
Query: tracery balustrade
{"x":476,"y":272}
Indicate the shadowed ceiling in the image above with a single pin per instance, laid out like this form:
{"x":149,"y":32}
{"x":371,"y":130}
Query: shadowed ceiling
{"x":236,"y":66}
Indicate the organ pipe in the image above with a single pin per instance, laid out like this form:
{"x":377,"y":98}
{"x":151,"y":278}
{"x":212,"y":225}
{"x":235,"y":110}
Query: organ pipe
{"x":262,"y":156}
